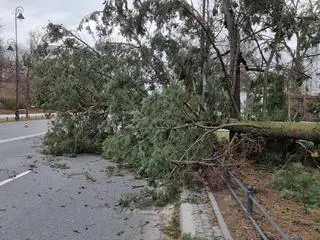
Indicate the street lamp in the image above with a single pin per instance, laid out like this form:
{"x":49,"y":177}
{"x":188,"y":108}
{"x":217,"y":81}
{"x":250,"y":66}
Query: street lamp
{"x":17,"y":15}
{"x":10,"y":43}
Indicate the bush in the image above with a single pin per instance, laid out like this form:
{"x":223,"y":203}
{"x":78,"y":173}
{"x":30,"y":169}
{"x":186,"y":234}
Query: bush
{"x":10,"y":104}
{"x":298,"y":184}
{"x":314,"y":108}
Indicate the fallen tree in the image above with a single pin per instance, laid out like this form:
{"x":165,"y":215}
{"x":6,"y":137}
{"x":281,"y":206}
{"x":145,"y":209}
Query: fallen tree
{"x":294,"y":130}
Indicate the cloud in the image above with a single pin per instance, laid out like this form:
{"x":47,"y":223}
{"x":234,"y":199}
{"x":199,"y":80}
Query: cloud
{"x":39,"y":12}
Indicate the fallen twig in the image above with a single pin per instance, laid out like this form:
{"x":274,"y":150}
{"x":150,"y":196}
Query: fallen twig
{"x":137,"y":186}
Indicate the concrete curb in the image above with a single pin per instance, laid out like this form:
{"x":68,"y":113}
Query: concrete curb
{"x":223,"y":226}
{"x":186,"y":220}
{"x":196,"y":215}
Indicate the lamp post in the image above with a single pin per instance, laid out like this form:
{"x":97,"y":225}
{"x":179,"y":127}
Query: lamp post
{"x":10,"y":43}
{"x":17,"y":15}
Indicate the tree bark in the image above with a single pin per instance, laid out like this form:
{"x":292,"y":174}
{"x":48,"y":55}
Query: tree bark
{"x":234,"y":41}
{"x":306,"y":131}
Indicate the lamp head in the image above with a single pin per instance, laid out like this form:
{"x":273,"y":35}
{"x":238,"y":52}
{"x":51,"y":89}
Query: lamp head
{"x":20,"y":16}
{"x":10,"y":48}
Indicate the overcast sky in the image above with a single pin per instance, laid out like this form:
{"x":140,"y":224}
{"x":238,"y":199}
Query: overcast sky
{"x":38,"y":13}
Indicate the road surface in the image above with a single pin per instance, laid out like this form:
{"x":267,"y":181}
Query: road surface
{"x":41,"y":201}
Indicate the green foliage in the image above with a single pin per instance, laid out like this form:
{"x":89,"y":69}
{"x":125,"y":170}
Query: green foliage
{"x":257,"y":9}
{"x":173,"y":229}
{"x":188,"y":236}
{"x":75,"y":134}
{"x":298,"y":184}
{"x":314,"y":108}
{"x":272,"y":159}
{"x":276,"y":102}
{"x":152,"y":196}
{"x":157,"y":135}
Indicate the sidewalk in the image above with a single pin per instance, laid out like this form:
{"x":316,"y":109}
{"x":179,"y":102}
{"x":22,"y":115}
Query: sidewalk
{"x":22,"y":116}
{"x":200,"y":216}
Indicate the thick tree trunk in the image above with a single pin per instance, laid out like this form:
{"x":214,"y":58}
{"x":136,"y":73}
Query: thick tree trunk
{"x":234,"y":41}
{"x":203,"y":53}
{"x":306,"y":131}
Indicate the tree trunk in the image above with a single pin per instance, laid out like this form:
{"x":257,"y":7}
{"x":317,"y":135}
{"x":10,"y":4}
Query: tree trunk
{"x":234,"y":41}
{"x":294,"y":130}
{"x":203,"y":53}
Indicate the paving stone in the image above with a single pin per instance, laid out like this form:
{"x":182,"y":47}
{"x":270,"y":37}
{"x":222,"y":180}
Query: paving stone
{"x":201,"y":213}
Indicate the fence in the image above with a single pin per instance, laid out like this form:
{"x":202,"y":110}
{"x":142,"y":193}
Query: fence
{"x":228,"y":177}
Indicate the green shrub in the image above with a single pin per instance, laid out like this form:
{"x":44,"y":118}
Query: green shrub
{"x":298,"y":184}
{"x":10,"y":104}
{"x":272,"y":159}
{"x":314,"y":108}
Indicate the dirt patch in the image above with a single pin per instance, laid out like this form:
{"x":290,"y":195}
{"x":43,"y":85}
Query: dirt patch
{"x":288,"y":214}
{"x":239,"y":226}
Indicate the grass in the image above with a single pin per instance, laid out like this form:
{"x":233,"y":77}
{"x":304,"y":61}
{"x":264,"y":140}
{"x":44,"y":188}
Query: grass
{"x":172,"y":230}
{"x":188,"y":236}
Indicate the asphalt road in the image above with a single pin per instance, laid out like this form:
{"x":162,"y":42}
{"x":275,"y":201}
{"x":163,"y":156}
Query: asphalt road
{"x":9,"y":130}
{"x":50,"y":203}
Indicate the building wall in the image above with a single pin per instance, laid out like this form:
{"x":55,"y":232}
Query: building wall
{"x":313,"y":67}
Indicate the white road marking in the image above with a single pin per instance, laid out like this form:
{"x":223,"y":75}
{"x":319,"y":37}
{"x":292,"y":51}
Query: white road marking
{"x":22,"y":137}
{"x":14,"y":178}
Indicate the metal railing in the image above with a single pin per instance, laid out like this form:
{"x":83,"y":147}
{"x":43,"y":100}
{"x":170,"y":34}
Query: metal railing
{"x":227,"y":177}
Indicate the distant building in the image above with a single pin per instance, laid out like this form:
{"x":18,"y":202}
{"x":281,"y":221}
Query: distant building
{"x":312,"y":85}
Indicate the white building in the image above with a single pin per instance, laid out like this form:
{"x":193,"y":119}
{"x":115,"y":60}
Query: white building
{"x":312,"y":86}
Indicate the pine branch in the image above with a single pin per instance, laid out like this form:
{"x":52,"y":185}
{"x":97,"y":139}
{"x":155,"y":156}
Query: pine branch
{"x":202,"y":163}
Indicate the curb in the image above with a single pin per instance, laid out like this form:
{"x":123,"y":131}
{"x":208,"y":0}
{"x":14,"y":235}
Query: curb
{"x":195,"y":218}
{"x":186,"y":222}
{"x":223,"y":226}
